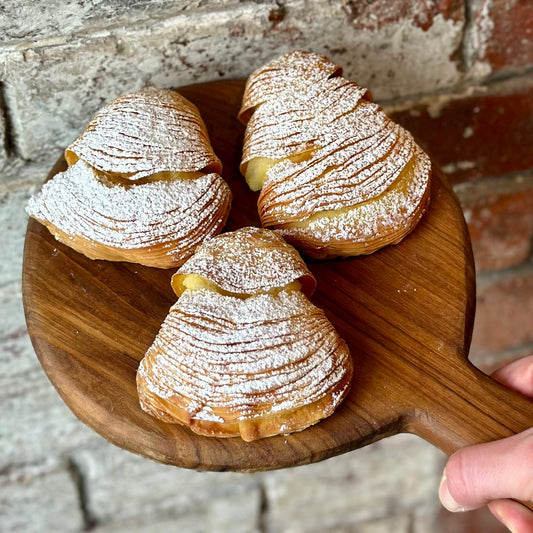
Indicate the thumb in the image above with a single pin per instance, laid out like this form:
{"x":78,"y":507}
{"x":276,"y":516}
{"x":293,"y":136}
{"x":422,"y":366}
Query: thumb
{"x":496,"y":471}
{"x":476,"y":475}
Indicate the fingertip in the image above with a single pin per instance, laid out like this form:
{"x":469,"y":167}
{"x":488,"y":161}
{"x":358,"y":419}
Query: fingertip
{"x":447,"y":500}
{"x":513,"y":515}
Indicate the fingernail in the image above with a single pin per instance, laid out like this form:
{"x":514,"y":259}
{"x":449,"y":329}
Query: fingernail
{"x":446,"y":498}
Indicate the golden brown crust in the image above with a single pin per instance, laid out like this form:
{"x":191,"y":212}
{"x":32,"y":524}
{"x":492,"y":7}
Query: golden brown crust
{"x":285,"y":422}
{"x":364,"y":228}
{"x":249,"y":365}
{"x":136,"y":188}
{"x":325,"y":154}
{"x":157,"y":224}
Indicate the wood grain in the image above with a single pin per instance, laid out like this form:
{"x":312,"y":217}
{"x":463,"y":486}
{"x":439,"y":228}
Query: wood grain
{"x":406,"y":313}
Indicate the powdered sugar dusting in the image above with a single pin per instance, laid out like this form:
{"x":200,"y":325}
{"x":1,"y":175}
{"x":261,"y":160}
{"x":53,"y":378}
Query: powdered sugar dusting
{"x":139,"y":134}
{"x":177,"y":214}
{"x":344,"y":173}
{"x":305,"y":116}
{"x":356,"y":153}
{"x":368,"y":222}
{"x":254,"y":356}
{"x":247,"y":261}
{"x":274,"y":79}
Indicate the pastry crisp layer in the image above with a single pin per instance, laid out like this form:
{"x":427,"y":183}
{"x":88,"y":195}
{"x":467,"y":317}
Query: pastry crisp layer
{"x":319,"y":148}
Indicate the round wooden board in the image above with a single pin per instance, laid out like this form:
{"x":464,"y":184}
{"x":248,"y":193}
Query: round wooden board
{"x":406,"y":313}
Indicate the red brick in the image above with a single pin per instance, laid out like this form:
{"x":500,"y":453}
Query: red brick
{"x":374,"y":14}
{"x":505,"y":33}
{"x":504,"y":315}
{"x":476,"y":136}
{"x":501,"y":223}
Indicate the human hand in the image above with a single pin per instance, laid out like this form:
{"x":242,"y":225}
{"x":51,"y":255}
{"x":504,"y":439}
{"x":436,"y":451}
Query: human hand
{"x":489,"y":474}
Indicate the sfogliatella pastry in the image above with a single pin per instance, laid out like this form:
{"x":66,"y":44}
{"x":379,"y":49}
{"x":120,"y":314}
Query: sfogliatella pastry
{"x":142,"y":185}
{"x":337,"y":176}
{"x":243,"y":351}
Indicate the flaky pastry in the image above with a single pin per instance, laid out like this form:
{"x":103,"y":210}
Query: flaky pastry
{"x":244,"y":352}
{"x":142,"y":185}
{"x":337,"y":176}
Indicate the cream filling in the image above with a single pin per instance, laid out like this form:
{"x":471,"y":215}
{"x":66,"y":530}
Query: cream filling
{"x":195,"y":282}
{"x":256,"y":169}
{"x":114,"y":178}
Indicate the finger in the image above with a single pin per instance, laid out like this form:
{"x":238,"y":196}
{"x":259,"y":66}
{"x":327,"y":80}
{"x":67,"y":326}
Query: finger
{"x":515,"y":517}
{"x":517,"y":375}
{"x":479,"y":474}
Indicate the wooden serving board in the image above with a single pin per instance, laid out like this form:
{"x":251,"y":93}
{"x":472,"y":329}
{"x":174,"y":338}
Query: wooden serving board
{"x":406,"y":313}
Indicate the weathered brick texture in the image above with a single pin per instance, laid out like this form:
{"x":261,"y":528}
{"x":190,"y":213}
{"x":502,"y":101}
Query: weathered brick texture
{"x":3,"y":150}
{"x":472,"y":137}
{"x":59,"y":20}
{"x":53,"y":90}
{"x":375,"y":14}
{"x":123,"y":487}
{"x":13,"y":221}
{"x":499,"y":213}
{"x":34,"y":500}
{"x":502,"y":35}
{"x":356,"y":487}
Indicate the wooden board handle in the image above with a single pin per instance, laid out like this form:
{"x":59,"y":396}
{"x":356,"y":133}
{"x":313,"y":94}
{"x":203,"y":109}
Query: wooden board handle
{"x":479,"y":410}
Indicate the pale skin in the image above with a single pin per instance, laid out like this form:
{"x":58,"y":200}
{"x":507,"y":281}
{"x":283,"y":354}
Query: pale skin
{"x":496,"y":473}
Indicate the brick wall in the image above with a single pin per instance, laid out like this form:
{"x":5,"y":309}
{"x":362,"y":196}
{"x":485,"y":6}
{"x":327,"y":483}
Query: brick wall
{"x":457,"y":73}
